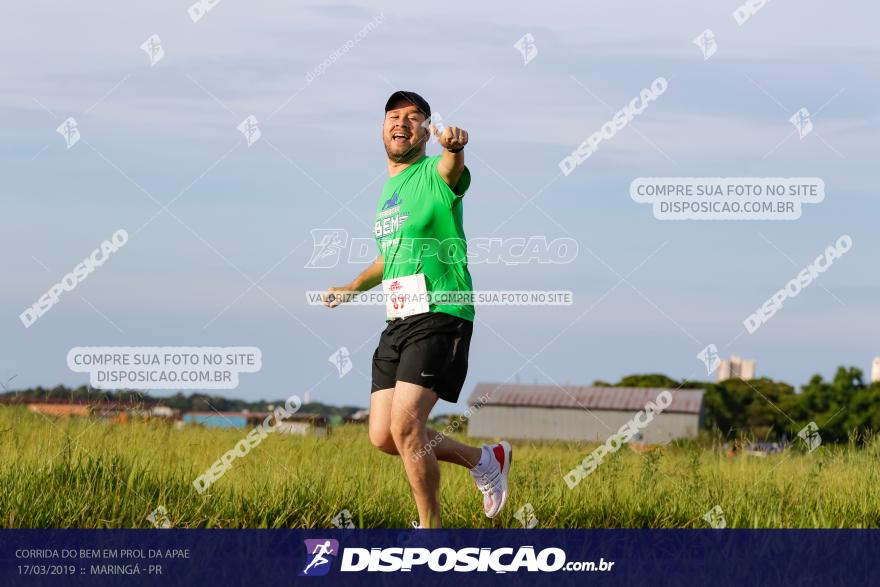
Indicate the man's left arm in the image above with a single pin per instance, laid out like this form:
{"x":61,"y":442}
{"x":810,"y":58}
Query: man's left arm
{"x":451,"y":165}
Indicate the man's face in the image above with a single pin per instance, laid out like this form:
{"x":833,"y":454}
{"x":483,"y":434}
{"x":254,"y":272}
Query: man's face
{"x":404,"y":133}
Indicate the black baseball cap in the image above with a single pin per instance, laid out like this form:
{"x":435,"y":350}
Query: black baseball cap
{"x":410,"y":97}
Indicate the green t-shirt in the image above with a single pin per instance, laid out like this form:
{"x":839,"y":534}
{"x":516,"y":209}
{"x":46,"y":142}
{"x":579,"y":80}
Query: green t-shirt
{"x":419,"y":230}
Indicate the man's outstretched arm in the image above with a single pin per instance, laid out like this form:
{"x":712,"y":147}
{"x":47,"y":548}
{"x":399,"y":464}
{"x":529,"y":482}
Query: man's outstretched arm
{"x":451,"y":165}
{"x":368,"y":279}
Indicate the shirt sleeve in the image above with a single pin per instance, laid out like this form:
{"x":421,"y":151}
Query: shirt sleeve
{"x":450,"y":196}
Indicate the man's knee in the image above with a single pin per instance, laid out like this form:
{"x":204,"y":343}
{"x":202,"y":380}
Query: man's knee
{"x":408,"y":434}
{"x":383,"y":440}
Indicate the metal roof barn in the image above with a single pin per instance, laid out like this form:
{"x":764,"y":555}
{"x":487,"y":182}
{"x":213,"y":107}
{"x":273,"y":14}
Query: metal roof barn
{"x":579,"y":413}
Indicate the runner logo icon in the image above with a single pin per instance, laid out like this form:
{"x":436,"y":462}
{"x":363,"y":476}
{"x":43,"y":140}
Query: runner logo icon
{"x":319,"y":555}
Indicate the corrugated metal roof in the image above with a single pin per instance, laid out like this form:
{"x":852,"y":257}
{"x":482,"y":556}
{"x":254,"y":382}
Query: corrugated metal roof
{"x":632,"y":399}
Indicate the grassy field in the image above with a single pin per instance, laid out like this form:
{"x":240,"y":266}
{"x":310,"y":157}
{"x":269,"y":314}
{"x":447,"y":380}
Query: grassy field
{"x":91,"y":473}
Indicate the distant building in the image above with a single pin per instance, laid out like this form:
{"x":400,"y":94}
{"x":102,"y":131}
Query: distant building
{"x":164,"y":412}
{"x":875,"y":370}
{"x":302,"y":424}
{"x":60,"y":409}
{"x":220,"y":419}
{"x":359,"y":417}
{"x":576,"y":413}
{"x":736,"y":368}
{"x":305,"y":424}
{"x":116,"y":410}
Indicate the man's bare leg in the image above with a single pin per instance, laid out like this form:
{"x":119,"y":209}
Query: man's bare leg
{"x":410,"y":408}
{"x":380,"y":421}
{"x":397,"y":426}
{"x":451,"y":451}
{"x":445,"y":448}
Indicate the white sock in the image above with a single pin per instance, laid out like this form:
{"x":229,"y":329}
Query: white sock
{"x":486,"y":460}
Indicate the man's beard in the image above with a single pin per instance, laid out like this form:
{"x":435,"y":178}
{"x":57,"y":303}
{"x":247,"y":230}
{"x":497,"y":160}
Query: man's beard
{"x":411,"y":154}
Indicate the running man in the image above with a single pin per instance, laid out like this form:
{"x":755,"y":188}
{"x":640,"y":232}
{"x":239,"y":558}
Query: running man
{"x":423,"y":353}
{"x":319,"y":556}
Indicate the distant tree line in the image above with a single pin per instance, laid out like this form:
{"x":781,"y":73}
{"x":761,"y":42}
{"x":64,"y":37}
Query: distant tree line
{"x":762,"y":409}
{"x":195,"y":402}
{"x":772,"y":410}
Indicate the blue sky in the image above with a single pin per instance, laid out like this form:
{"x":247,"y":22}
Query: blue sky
{"x":242,"y":214}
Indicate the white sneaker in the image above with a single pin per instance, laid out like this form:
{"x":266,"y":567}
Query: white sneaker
{"x":492,"y":481}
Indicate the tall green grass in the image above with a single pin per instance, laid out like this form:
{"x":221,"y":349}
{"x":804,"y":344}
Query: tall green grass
{"x":90,"y":473}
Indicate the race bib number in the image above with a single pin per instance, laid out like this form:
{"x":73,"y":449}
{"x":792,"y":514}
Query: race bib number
{"x":405,"y":296}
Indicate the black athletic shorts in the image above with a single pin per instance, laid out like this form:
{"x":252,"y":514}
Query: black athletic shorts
{"x":428,"y":349}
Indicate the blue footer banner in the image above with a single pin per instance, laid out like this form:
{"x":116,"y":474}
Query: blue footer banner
{"x":439,"y":557}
